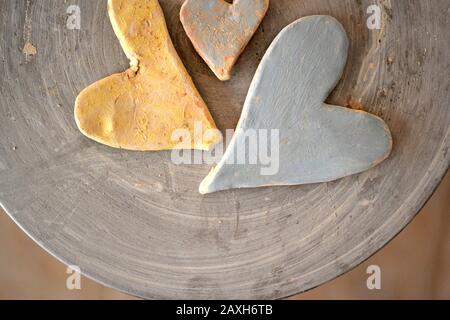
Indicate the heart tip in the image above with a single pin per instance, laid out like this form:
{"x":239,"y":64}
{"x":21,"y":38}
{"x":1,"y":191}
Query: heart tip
{"x":208,"y":184}
{"x":204,"y":188}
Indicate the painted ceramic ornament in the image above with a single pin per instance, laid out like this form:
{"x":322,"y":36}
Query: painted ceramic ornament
{"x":142,"y":107}
{"x":220,"y":30}
{"x":317,"y":142}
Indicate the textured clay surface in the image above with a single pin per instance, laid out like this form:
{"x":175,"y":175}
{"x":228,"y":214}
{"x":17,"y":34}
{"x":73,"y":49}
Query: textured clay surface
{"x":135,"y":221}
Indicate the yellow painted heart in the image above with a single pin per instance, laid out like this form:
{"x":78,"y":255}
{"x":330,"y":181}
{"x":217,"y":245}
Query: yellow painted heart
{"x":141,"y":108}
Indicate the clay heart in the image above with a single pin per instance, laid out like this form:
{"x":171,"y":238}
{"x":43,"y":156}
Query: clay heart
{"x":141,"y":108}
{"x":220,"y":31}
{"x":317,"y":142}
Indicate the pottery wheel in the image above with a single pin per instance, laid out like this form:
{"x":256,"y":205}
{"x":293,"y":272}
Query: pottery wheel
{"x":136,"y":222}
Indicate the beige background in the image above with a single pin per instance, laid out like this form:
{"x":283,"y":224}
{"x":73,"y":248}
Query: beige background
{"x":415,"y":265}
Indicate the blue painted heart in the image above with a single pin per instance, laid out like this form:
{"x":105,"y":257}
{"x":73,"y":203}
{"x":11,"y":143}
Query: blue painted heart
{"x":317,"y":142}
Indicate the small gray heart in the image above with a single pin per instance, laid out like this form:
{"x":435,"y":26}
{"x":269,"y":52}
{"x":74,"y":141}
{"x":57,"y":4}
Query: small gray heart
{"x":220,"y":31}
{"x":317,"y":142}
